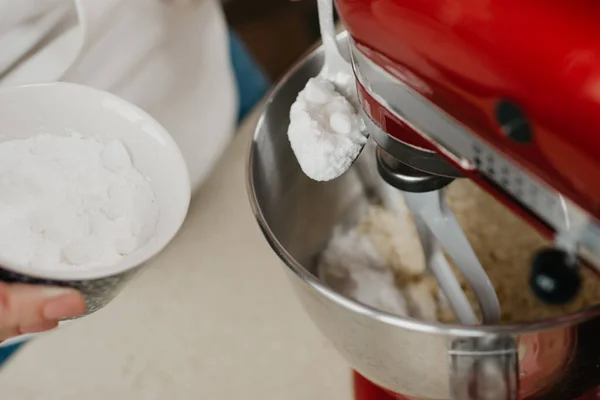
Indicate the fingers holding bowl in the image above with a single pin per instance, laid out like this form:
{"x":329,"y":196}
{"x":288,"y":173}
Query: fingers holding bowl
{"x":34,"y":308}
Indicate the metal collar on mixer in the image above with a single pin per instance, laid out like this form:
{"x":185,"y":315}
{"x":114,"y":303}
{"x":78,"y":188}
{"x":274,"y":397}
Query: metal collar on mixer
{"x":410,"y":107}
{"x":424,"y":161}
{"x":405,"y":178}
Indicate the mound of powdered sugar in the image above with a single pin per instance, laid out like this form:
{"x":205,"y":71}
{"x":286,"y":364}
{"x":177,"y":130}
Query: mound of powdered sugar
{"x":71,"y":202}
{"x":354,"y":268}
{"x":379,"y":264}
{"x":325,"y":132}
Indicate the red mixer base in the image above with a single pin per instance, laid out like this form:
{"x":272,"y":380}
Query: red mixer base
{"x":366,"y":390}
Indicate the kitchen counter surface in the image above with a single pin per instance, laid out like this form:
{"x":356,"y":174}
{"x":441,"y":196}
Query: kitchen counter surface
{"x":213,"y":317}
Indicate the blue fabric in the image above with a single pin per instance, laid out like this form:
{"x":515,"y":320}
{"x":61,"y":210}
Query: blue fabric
{"x":252,"y":83}
{"x":6,"y":352}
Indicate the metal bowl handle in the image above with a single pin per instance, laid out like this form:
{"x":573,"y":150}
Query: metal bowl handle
{"x":484,"y":368}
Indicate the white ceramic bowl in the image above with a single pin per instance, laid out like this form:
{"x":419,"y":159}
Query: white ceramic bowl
{"x":61,"y":108}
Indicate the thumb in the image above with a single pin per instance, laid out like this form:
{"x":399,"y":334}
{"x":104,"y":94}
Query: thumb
{"x":31,"y":308}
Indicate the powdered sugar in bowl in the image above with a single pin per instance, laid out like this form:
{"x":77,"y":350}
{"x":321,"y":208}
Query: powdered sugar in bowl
{"x":91,"y":187}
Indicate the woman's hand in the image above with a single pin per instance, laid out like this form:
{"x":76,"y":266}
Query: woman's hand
{"x":34,"y":308}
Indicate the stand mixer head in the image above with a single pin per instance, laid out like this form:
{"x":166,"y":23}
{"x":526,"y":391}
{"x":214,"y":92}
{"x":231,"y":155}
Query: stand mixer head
{"x":456,"y":88}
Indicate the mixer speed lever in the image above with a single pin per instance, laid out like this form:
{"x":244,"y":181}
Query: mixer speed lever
{"x":555,"y":277}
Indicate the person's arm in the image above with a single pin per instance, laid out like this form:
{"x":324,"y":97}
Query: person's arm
{"x":32,"y":309}
{"x":16,"y":12}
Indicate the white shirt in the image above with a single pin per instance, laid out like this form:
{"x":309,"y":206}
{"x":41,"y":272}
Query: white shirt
{"x":169,"y":57}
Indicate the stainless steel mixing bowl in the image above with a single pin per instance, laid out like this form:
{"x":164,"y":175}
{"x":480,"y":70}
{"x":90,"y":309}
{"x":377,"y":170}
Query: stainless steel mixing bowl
{"x":556,"y":359}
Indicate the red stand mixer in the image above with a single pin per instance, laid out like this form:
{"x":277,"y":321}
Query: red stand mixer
{"x":505,"y":93}
{"x":502,"y":92}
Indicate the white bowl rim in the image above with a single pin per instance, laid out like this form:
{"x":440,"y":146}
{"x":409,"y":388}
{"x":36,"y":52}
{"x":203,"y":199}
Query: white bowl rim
{"x":83,"y":274}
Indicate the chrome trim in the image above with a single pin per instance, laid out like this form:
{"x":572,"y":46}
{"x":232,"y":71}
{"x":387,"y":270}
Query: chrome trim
{"x":425,"y":161}
{"x":411,"y":108}
{"x":484,"y":368}
{"x":406,"y":178}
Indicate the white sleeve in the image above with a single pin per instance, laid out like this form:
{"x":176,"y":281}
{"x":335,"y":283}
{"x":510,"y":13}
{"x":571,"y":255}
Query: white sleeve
{"x":13,"y":12}
{"x":174,"y":62}
{"x":169,"y":57}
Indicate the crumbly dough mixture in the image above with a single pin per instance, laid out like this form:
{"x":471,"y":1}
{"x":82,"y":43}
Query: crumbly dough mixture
{"x":502,"y":241}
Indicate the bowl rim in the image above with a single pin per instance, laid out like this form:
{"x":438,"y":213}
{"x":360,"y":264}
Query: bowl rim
{"x":84,"y":274}
{"x":369,"y":312}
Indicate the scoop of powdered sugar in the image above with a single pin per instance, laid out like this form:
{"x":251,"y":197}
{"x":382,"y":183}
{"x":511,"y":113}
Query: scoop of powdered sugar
{"x":325,"y":132}
{"x":71,"y":201}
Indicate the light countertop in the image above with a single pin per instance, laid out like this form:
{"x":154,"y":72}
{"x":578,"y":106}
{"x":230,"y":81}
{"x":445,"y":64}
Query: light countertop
{"x":213,"y":317}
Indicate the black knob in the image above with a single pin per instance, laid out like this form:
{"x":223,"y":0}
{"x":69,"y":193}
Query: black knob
{"x":513,"y":122}
{"x":555,"y":277}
